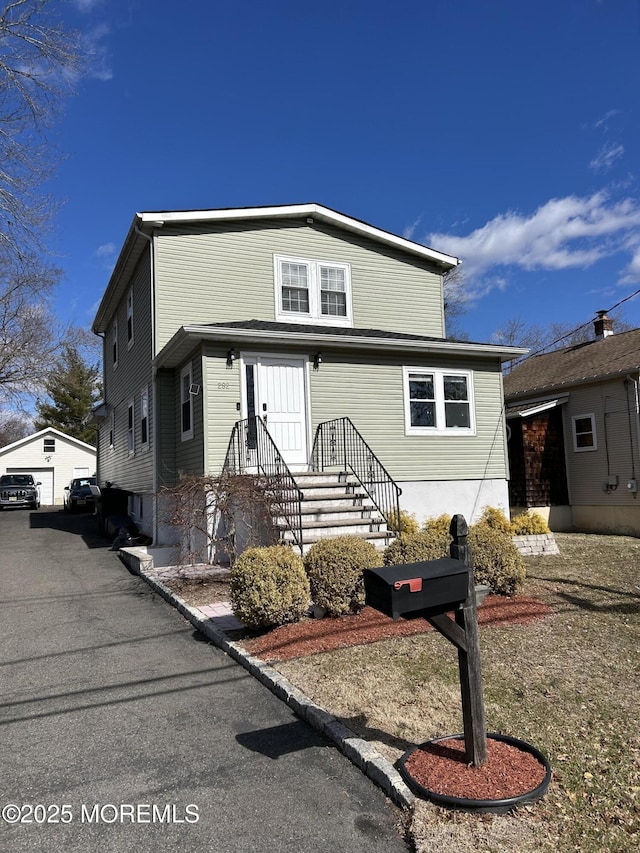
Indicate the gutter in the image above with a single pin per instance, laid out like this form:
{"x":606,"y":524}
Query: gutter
{"x":226,"y":334}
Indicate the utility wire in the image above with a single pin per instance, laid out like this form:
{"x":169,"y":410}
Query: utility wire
{"x":573,"y":332}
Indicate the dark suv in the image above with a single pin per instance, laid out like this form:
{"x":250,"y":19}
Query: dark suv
{"x":78,"y":495}
{"x":19,"y":490}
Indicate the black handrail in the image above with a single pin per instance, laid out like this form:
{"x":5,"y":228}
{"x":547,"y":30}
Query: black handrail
{"x":338,"y":443}
{"x":251,"y":447}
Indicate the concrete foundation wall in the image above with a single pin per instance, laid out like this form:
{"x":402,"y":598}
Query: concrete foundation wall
{"x":429,"y":499}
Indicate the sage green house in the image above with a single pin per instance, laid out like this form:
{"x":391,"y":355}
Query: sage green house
{"x":298,"y":315}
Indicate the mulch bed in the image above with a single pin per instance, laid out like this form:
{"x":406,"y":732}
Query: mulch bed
{"x":509,"y":772}
{"x":312,"y":636}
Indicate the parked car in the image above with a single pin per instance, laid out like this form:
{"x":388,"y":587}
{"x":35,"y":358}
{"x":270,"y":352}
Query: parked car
{"x":19,"y":490}
{"x":78,"y":495}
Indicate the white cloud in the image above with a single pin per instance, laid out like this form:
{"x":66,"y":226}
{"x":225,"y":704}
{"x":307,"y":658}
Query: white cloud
{"x":563,"y":233}
{"x":86,"y":5}
{"x":631,"y":273}
{"x":606,"y":157}
{"x":106,"y":250}
{"x":603,"y":122}
{"x":96,"y":50}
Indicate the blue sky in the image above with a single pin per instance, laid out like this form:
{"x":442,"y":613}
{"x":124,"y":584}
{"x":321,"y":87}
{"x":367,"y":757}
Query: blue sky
{"x":506,"y":133}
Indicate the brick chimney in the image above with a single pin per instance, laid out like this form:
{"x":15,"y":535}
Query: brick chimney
{"x":602,"y":326}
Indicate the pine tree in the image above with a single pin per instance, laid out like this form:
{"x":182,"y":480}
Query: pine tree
{"x":73,"y":389}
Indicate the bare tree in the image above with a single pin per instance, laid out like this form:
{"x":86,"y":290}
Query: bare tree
{"x":13,"y":427}
{"x":39,"y":61}
{"x":454,"y":284}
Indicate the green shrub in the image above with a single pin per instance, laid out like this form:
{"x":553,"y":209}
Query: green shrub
{"x":496,"y":560}
{"x":528,"y":524}
{"x":411,"y":548}
{"x":403,"y":523}
{"x":334,"y":567}
{"x":269,"y":587}
{"x":496,"y":519}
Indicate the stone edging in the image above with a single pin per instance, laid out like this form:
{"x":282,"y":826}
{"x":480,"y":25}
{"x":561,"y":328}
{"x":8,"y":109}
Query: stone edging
{"x":358,"y":751}
{"x":536,"y":545}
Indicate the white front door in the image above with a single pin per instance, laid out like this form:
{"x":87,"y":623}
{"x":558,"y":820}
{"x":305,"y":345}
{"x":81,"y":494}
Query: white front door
{"x":275,"y":391}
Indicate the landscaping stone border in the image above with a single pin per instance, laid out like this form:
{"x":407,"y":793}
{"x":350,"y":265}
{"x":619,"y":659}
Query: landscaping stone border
{"x":361,"y":753}
{"x":538,"y":545}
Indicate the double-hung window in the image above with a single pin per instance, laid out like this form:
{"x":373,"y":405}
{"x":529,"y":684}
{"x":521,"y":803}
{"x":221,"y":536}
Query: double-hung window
{"x":130,"y":319}
{"x":438,"y":401}
{"x":313,"y":291}
{"x":49,"y":445}
{"x":584,"y":433}
{"x":131,"y":429}
{"x":144,"y":417}
{"x":186,"y":403}
{"x":112,"y":429}
{"x":114,"y":343}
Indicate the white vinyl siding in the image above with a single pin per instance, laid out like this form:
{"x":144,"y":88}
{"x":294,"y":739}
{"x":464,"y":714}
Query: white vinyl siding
{"x":209,"y":274}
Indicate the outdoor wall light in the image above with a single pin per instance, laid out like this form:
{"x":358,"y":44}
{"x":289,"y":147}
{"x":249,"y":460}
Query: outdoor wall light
{"x":317,"y":361}
{"x":231,"y":357}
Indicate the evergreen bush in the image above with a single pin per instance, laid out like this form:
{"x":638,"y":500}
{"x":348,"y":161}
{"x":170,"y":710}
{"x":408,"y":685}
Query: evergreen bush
{"x":403,"y":523}
{"x":496,"y":560}
{"x":529,"y":524}
{"x":269,"y":587}
{"x":495,"y":518}
{"x":334,"y":568}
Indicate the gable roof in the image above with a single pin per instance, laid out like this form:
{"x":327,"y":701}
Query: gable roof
{"x":47,"y":431}
{"x":263,"y":331}
{"x":146,"y":223}
{"x":612,"y":356}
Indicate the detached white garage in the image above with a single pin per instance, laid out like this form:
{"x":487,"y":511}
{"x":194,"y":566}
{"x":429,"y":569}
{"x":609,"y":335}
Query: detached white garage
{"x":53,"y":458}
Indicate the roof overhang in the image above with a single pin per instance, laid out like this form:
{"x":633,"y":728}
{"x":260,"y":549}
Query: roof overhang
{"x":534,"y":407}
{"x":187,"y":337}
{"x":146,"y":224}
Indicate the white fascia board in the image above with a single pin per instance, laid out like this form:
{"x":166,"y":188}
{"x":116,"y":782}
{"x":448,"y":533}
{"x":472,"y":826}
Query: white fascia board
{"x":297,"y":210}
{"x":184,"y":340}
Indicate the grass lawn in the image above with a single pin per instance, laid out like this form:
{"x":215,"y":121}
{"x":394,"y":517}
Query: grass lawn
{"x":568,"y":684}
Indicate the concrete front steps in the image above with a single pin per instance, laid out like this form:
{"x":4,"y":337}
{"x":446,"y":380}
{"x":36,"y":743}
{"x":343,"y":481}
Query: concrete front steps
{"x":336,"y":505}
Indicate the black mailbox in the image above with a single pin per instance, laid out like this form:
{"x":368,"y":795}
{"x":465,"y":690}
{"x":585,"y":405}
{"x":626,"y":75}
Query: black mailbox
{"x":413,"y":589}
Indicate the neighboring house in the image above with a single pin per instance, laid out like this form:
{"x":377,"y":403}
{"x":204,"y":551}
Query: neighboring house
{"x":299,"y":315}
{"x":53,"y":458}
{"x":574,"y":433}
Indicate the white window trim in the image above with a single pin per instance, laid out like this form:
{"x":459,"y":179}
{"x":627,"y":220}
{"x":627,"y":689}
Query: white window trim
{"x":314,"y":316}
{"x":131,"y":430}
{"x":144,"y":413}
{"x":130,"y":317}
{"x":594,"y":446}
{"x":187,"y":370}
{"x":438,"y":374}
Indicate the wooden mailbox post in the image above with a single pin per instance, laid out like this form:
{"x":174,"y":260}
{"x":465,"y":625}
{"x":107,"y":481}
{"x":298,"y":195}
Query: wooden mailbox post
{"x":432,"y":589}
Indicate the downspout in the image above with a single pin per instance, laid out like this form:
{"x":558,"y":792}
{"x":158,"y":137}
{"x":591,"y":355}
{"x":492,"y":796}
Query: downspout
{"x":154,"y":465}
{"x":637,"y":397}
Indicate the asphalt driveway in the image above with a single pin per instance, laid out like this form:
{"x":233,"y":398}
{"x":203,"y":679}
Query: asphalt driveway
{"x":123,"y":729}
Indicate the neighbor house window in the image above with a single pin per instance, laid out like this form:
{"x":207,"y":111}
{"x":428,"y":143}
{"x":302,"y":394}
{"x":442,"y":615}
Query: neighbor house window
{"x":144,"y":417}
{"x":186,"y":403}
{"x":131,"y":434}
{"x":49,"y":445}
{"x":438,"y":401}
{"x":584,"y":433}
{"x":114,"y":343}
{"x":130,"y":319}
{"x":313,"y":291}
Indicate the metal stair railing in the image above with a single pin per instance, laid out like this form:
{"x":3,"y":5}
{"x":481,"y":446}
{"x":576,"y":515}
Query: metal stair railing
{"x":338,"y":443}
{"x":252,"y":447}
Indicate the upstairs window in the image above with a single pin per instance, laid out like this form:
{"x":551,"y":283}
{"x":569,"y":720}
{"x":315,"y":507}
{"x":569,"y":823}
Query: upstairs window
{"x":313,"y":291}
{"x":130,"y":319}
{"x":186,"y":403}
{"x":114,"y":343}
{"x":131,"y":434}
{"x":144,"y":417}
{"x":584,"y":433}
{"x":49,"y":445}
{"x":438,"y":401}
{"x":112,"y":429}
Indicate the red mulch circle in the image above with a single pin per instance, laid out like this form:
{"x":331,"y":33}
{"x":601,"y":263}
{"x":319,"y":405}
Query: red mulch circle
{"x":312,"y":636}
{"x":440,"y":767}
